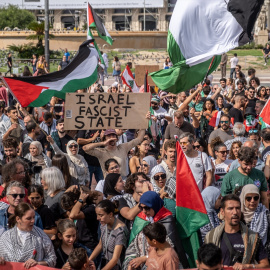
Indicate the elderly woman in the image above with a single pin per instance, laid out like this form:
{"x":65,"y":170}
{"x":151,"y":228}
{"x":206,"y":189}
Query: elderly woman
{"x":148,"y":164}
{"x":158,"y":179}
{"x":212,"y":200}
{"x":25,"y":242}
{"x":78,"y":166}
{"x":41,"y":160}
{"x":255,"y":214}
{"x":53,"y":183}
{"x":152,"y":211}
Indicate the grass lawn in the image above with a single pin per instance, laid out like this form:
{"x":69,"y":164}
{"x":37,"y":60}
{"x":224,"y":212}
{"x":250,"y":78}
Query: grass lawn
{"x":251,"y":52}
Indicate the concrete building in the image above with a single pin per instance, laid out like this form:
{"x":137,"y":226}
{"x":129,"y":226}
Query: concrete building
{"x":156,"y":19}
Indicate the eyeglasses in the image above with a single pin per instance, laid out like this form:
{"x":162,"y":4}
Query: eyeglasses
{"x":196,"y":146}
{"x":184,"y":143}
{"x":224,"y":122}
{"x":73,"y":145}
{"x":255,"y":198}
{"x":16,"y":195}
{"x":114,"y":168}
{"x":146,"y":208}
{"x":162,"y":176}
{"x":223,"y":152}
{"x":253,"y":131}
{"x":22,"y":172}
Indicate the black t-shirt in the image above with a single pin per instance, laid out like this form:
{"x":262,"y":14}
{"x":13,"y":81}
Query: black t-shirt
{"x":252,"y":102}
{"x":9,"y":61}
{"x":61,"y":258}
{"x":266,"y":51}
{"x":64,"y":141}
{"x":86,"y":134}
{"x":237,"y":115}
{"x":47,"y":217}
{"x":237,"y":243}
{"x":122,"y":204}
{"x":87,"y":228}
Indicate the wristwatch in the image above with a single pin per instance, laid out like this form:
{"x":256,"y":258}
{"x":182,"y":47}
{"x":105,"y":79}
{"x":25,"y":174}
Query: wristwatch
{"x":80,"y":201}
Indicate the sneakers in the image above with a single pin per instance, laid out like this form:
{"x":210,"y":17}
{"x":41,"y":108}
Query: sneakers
{"x":264,"y":64}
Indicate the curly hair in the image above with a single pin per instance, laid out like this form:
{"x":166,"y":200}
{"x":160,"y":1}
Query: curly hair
{"x":130,"y":183}
{"x":231,"y":154}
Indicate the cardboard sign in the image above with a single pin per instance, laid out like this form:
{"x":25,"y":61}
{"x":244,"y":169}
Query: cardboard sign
{"x":140,"y":71}
{"x":86,"y":111}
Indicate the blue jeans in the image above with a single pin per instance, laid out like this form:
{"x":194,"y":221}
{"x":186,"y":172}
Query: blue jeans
{"x":231,"y":73}
{"x":97,"y":172}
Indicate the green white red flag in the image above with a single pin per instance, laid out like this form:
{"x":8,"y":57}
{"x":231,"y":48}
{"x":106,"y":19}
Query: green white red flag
{"x":191,"y":213}
{"x":128,"y":80}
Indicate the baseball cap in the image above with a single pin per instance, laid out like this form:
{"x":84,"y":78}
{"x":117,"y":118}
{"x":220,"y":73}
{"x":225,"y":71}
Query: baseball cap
{"x":109,"y":131}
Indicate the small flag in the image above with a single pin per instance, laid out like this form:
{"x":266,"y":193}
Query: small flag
{"x":220,"y":26}
{"x":214,"y":121}
{"x":38,"y":91}
{"x":191,"y":214}
{"x":129,"y":80}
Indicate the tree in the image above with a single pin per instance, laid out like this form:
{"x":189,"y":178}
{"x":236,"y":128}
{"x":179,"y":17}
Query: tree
{"x":39,"y":28}
{"x":12,"y":16}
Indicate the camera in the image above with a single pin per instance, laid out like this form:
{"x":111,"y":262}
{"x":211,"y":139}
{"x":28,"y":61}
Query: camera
{"x":33,"y":168}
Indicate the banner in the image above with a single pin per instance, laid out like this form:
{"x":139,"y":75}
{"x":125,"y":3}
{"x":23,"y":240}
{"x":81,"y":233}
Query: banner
{"x":86,"y":111}
{"x":19,"y":266}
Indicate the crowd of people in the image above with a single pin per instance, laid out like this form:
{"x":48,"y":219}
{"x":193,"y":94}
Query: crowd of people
{"x":52,"y":213}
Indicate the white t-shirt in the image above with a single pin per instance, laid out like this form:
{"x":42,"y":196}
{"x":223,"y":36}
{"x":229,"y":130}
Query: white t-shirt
{"x":234,"y":61}
{"x":100,"y":186}
{"x":160,"y":111}
{"x":197,"y":168}
{"x":220,"y":171}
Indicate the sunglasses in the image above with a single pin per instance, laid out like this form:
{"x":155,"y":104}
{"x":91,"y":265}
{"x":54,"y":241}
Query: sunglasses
{"x":145,"y":165}
{"x":223,"y":152}
{"x":253,"y":131}
{"x":146,"y":208}
{"x":162,"y":176}
{"x":255,"y":198}
{"x":224,"y":122}
{"x":154,"y":103}
{"x":73,"y":145}
{"x":267,"y":89}
{"x":183,"y":143}
{"x":196,"y":146}
{"x":172,"y":97}
{"x":16,"y":195}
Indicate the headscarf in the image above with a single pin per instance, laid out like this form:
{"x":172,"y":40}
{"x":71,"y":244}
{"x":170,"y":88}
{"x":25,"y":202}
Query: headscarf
{"x":248,"y":214}
{"x":151,"y":161}
{"x":76,"y":159}
{"x":39,"y":158}
{"x":154,"y":171}
{"x":110,"y":183}
{"x":152,"y":200}
{"x":210,"y":196}
{"x":257,"y":219}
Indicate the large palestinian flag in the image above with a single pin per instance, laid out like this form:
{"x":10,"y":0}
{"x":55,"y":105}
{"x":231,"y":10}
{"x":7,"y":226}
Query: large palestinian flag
{"x":191,"y":214}
{"x":37,"y":91}
{"x":200,"y":30}
{"x":94,"y":22}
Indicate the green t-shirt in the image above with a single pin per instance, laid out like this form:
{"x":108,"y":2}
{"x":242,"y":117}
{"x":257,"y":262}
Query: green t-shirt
{"x":198,"y":107}
{"x":235,"y":179}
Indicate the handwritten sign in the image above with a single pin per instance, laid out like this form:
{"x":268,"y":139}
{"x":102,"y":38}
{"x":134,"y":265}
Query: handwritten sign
{"x":86,"y":111}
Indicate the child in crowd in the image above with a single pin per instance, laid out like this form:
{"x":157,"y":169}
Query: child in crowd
{"x":161,"y":255}
{"x":78,"y":260}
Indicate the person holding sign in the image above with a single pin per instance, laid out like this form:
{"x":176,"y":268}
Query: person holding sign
{"x":111,"y":150}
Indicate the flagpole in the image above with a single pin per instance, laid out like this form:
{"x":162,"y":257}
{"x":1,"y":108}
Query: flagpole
{"x":209,"y":68}
{"x":27,"y":113}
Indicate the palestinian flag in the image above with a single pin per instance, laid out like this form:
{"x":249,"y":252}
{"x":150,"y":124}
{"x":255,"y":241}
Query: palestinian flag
{"x":37,"y":91}
{"x":191,"y":214}
{"x":264,"y":116}
{"x":94,"y":22}
{"x":214,"y":121}
{"x":200,"y":30}
{"x":129,"y":80}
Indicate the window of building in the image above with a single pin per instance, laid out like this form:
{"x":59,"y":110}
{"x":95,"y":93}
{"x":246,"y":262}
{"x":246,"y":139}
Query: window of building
{"x":150,"y":23}
{"x":121,"y":23}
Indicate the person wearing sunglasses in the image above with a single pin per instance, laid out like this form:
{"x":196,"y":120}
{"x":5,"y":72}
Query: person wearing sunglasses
{"x":158,"y":179}
{"x":255,"y":214}
{"x":152,"y":210}
{"x":246,"y":174}
{"x":78,"y":166}
{"x":15,"y":193}
{"x":199,"y":162}
{"x":172,"y":104}
{"x":221,"y":163}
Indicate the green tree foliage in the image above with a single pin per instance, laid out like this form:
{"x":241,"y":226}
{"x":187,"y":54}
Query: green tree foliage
{"x":12,"y":16}
{"x":39,"y":28}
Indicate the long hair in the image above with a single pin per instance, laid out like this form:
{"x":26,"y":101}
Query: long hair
{"x":60,"y":161}
{"x":20,"y":211}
